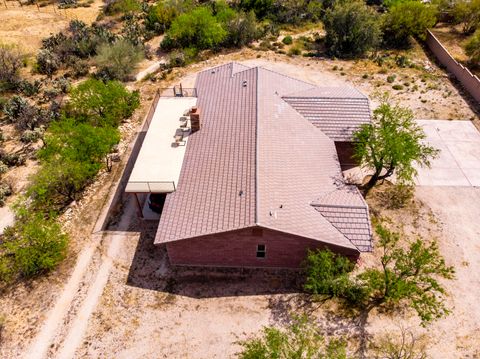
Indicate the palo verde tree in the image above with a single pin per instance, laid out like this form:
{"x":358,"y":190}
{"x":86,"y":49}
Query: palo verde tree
{"x":408,"y":275}
{"x":392,"y":143}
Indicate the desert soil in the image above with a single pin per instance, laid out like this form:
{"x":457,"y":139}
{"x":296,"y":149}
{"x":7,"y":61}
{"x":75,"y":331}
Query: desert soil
{"x":128,"y":302}
{"x":26,"y":26}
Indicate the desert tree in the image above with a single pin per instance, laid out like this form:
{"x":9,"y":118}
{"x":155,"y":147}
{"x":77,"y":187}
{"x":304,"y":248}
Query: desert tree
{"x":101,"y":104}
{"x":301,"y":339}
{"x":406,"y":19}
{"x":409,"y":275}
{"x":33,"y":245}
{"x":472,"y":48}
{"x":353,"y":29}
{"x":467,"y":13}
{"x":117,"y":61}
{"x":392,"y":143}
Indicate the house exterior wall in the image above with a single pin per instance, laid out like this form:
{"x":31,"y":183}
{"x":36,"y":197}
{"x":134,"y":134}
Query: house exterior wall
{"x":238,"y":249}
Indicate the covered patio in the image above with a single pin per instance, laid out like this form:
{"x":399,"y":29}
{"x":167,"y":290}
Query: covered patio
{"x":159,"y":162}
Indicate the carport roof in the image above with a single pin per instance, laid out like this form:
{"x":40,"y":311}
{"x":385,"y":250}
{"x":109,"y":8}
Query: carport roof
{"x":256,"y":161}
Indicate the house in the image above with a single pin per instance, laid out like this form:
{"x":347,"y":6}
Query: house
{"x":260,"y":180}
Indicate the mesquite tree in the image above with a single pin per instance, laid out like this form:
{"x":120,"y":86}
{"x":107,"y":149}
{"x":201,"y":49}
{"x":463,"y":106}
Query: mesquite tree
{"x":409,"y":274}
{"x":392,"y":143}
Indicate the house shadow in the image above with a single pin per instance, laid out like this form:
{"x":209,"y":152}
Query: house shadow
{"x":150,"y":269}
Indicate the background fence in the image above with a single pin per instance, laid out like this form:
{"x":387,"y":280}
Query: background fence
{"x":470,"y":82}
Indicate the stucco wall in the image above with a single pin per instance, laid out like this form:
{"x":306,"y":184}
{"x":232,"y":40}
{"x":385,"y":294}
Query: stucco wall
{"x":238,"y":249}
{"x":469,"y":81}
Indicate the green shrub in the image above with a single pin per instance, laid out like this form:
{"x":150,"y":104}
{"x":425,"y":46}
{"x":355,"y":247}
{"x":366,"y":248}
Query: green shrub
{"x":397,"y":87}
{"x":25,"y":116}
{"x":3,"y":168}
{"x":5,"y":189}
{"x":352,"y":29}
{"x":472,"y":47}
{"x":28,"y":88}
{"x":117,"y":61}
{"x":197,"y":28}
{"x":406,"y":19}
{"x":295,"y":50}
{"x":287,"y":40}
{"x":241,"y":27}
{"x":391,"y":78}
{"x":408,"y":275}
{"x":122,"y":7}
{"x":262,"y":8}
{"x":467,"y":12}
{"x":102,"y":104}
{"x":327,"y":275}
{"x":33,"y":245}
{"x":160,"y":16}
{"x":301,"y":339}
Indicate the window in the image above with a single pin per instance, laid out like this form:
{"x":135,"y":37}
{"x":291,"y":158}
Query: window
{"x":261,"y":251}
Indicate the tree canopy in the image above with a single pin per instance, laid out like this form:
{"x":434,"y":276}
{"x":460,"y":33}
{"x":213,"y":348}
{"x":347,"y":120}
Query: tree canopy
{"x":408,"y":18}
{"x":353,"y":28}
{"x":301,"y":339}
{"x":198,"y":28}
{"x":31,"y":246}
{"x":118,"y":60}
{"x":392,"y":143}
{"x":102,"y":104}
{"x":409,"y":274}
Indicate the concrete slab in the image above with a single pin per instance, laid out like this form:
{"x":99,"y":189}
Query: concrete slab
{"x":459,"y":160}
{"x":442,"y":177}
{"x":473,"y":176}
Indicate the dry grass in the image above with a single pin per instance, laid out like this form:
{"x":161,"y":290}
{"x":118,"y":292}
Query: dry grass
{"x":26,"y":26}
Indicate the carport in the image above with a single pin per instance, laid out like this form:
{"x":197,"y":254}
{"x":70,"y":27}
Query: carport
{"x":159,"y":162}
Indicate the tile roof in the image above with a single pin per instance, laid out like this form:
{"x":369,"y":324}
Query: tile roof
{"x":347,"y":211}
{"x":256,"y":161}
{"x":337,"y":111}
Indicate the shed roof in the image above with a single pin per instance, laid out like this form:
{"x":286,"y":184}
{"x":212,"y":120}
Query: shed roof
{"x":255,"y":162}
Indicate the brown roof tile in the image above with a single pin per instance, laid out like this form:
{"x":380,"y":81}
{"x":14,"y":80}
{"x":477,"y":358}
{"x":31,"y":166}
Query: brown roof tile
{"x":337,"y":111}
{"x":255,"y":161}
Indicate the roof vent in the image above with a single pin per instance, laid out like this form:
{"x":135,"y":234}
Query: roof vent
{"x":244,"y":83}
{"x":240,"y":193}
{"x":213,"y":71}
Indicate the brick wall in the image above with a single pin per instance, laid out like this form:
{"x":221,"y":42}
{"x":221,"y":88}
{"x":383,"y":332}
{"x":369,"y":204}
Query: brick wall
{"x":470,"y":82}
{"x":238,"y":249}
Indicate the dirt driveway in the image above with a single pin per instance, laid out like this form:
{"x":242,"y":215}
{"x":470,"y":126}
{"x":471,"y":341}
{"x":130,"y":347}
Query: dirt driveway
{"x":459,"y":160}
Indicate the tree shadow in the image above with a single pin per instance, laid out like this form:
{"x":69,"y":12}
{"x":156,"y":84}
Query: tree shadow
{"x":338,"y":320}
